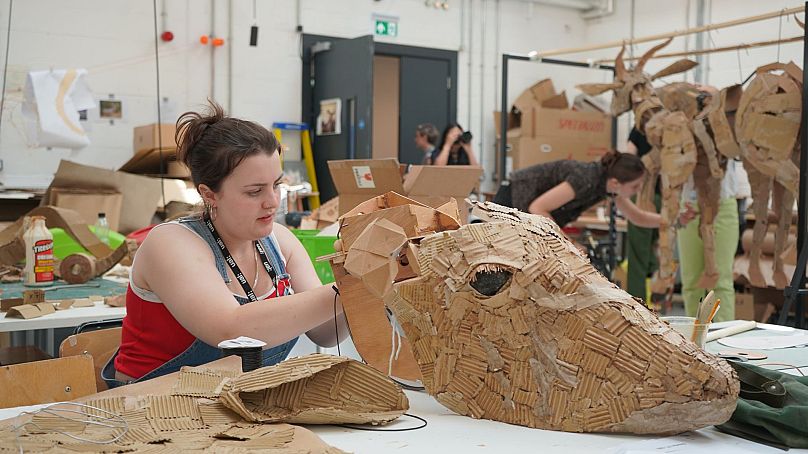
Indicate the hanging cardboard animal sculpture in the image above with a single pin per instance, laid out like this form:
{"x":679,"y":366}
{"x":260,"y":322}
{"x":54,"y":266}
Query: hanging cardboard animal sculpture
{"x":508,"y":321}
{"x":768,"y":128}
{"x":764,"y":136}
{"x":674,"y":155}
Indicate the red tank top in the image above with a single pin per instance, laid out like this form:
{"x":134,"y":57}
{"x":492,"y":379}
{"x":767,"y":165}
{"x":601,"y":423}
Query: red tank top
{"x":151,"y":336}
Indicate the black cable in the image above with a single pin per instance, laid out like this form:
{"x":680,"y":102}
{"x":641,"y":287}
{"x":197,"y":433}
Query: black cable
{"x":5,"y":65}
{"x":373,"y":429}
{"x":159,"y":113}
{"x":336,"y":323}
{"x":408,"y":387}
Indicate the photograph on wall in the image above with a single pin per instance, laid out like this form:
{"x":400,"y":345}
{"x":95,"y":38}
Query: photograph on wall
{"x":328,"y":121}
{"x":110,"y":109}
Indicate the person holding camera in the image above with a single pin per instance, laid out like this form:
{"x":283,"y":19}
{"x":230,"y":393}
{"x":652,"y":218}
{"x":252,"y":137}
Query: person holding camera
{"x":455,"y":148}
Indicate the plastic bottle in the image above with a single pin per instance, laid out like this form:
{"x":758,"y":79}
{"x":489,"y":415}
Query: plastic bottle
{"x":102,"y":228}
{"x":38,"y":252}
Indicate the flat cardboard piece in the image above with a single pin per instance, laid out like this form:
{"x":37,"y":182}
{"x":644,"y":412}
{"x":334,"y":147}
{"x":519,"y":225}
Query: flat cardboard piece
{"x":99,"y":344}
{"x":33,"y":296}
{"x":140,"y":194}
{"x":40,"y":382}
{"x":558,"y":101}
{"x":89,"y":202}
{"x":444,"y":181}
{"x":8,"y":303}
{"x":29,"y":311}
{"x":357,"y":180}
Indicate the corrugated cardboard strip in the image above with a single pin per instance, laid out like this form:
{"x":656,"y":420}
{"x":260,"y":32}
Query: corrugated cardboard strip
{"x":508,"y":321}
{"x":311,"y":389}
{"x":315,"y":389}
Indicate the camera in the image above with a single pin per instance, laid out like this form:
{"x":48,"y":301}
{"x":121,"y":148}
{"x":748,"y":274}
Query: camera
{"x":464,"y":138}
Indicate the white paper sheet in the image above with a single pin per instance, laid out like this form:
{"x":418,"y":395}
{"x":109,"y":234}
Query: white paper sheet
{"x":693,"y":443}
{"x":52,"y":101}
{"x":765,"y":342}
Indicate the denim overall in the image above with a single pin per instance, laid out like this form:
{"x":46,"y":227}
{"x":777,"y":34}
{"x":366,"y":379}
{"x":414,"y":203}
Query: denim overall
{"x":198,"y":352}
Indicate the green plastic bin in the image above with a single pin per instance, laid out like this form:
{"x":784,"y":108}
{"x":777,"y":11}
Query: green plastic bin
{"x":318,"y":246}
{"x":64,"y":244}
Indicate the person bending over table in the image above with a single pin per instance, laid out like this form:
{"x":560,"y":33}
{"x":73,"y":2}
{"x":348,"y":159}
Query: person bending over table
{"x":562,"y":190}
{"x":224,"y":273}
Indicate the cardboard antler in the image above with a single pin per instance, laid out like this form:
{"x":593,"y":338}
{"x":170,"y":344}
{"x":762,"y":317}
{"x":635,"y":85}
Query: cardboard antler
{"x":647,"y":56}
{"x":679,"y":66}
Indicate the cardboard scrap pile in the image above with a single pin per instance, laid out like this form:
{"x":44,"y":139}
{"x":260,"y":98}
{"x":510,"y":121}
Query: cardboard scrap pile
{"x":199,"y":414}
{"x":101,"y":258}
{"x":543,"y":128}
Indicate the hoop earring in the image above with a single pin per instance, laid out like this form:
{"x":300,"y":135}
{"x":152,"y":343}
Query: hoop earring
{"x":213,"y":212}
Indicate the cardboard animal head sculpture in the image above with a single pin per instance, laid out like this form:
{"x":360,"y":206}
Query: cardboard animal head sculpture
{"x":633,"y":85}
{"x":508,"y":321}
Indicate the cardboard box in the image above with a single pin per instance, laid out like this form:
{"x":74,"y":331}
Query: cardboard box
{"x":542,"y":90}
{"x":151,"y":137}
{"x":89,"y":202}
{"x":148,"y":153}
{"x":141,"y":195}
{"x":359,"y":180}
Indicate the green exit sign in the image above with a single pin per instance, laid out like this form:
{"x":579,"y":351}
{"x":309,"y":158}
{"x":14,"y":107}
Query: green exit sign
{"x":386,"y":27}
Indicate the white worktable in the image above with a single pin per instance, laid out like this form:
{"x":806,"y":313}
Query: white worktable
{"x":447,"y":432}
{"x":61,"y":319}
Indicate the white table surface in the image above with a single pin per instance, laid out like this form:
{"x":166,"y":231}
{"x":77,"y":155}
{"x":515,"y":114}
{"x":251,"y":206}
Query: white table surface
{"x":61,"y":319}
{"x":447,"y":432}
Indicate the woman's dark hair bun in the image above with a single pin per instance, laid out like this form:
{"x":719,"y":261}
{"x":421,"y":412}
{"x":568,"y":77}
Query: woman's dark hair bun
{"x":212,"y":144}
{"x":625,"y":167}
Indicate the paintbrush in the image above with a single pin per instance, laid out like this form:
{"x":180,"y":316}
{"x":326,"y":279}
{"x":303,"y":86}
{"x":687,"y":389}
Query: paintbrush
{"x":705,"y":312}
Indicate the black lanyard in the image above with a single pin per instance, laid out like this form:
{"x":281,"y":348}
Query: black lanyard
{"x":234,"y":267}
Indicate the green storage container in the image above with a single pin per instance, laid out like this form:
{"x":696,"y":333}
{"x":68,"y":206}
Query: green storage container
{"x":318,"y":246}
{"x":64,"y":244}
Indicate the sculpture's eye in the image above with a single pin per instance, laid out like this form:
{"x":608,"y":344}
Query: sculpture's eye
{"x":490,"y":282}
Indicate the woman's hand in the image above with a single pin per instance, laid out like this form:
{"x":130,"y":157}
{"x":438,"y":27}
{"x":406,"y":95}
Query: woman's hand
{"x":452,"y":136}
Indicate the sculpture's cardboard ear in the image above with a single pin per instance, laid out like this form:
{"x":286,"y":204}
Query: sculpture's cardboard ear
{"x":596,"y":89}
{"x":676,"y":67}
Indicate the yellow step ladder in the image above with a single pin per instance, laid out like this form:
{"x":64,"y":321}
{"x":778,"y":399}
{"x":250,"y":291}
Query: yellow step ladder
{"x":308,"y":157}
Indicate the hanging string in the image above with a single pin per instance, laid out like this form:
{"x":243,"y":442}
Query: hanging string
{"x":780,"y":35}
{"x":5,"y":67}
{"x":159,"y":113}
{"x":740,"y":71}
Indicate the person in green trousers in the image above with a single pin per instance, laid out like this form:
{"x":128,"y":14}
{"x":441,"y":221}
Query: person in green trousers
{"x":691,"y":249}
{"x":640,"y":241}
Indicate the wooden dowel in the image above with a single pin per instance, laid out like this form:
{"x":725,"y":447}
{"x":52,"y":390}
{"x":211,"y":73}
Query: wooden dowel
{"x":660,"y":36}
{"x":714,"y":50}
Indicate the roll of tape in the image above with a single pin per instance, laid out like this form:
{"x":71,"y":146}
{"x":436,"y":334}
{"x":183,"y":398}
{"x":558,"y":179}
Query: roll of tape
{"x":77,"y":268}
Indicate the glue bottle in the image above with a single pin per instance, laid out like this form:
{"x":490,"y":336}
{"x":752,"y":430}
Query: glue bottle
{"x":102,"y":228}
{"x":38,"y":252}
